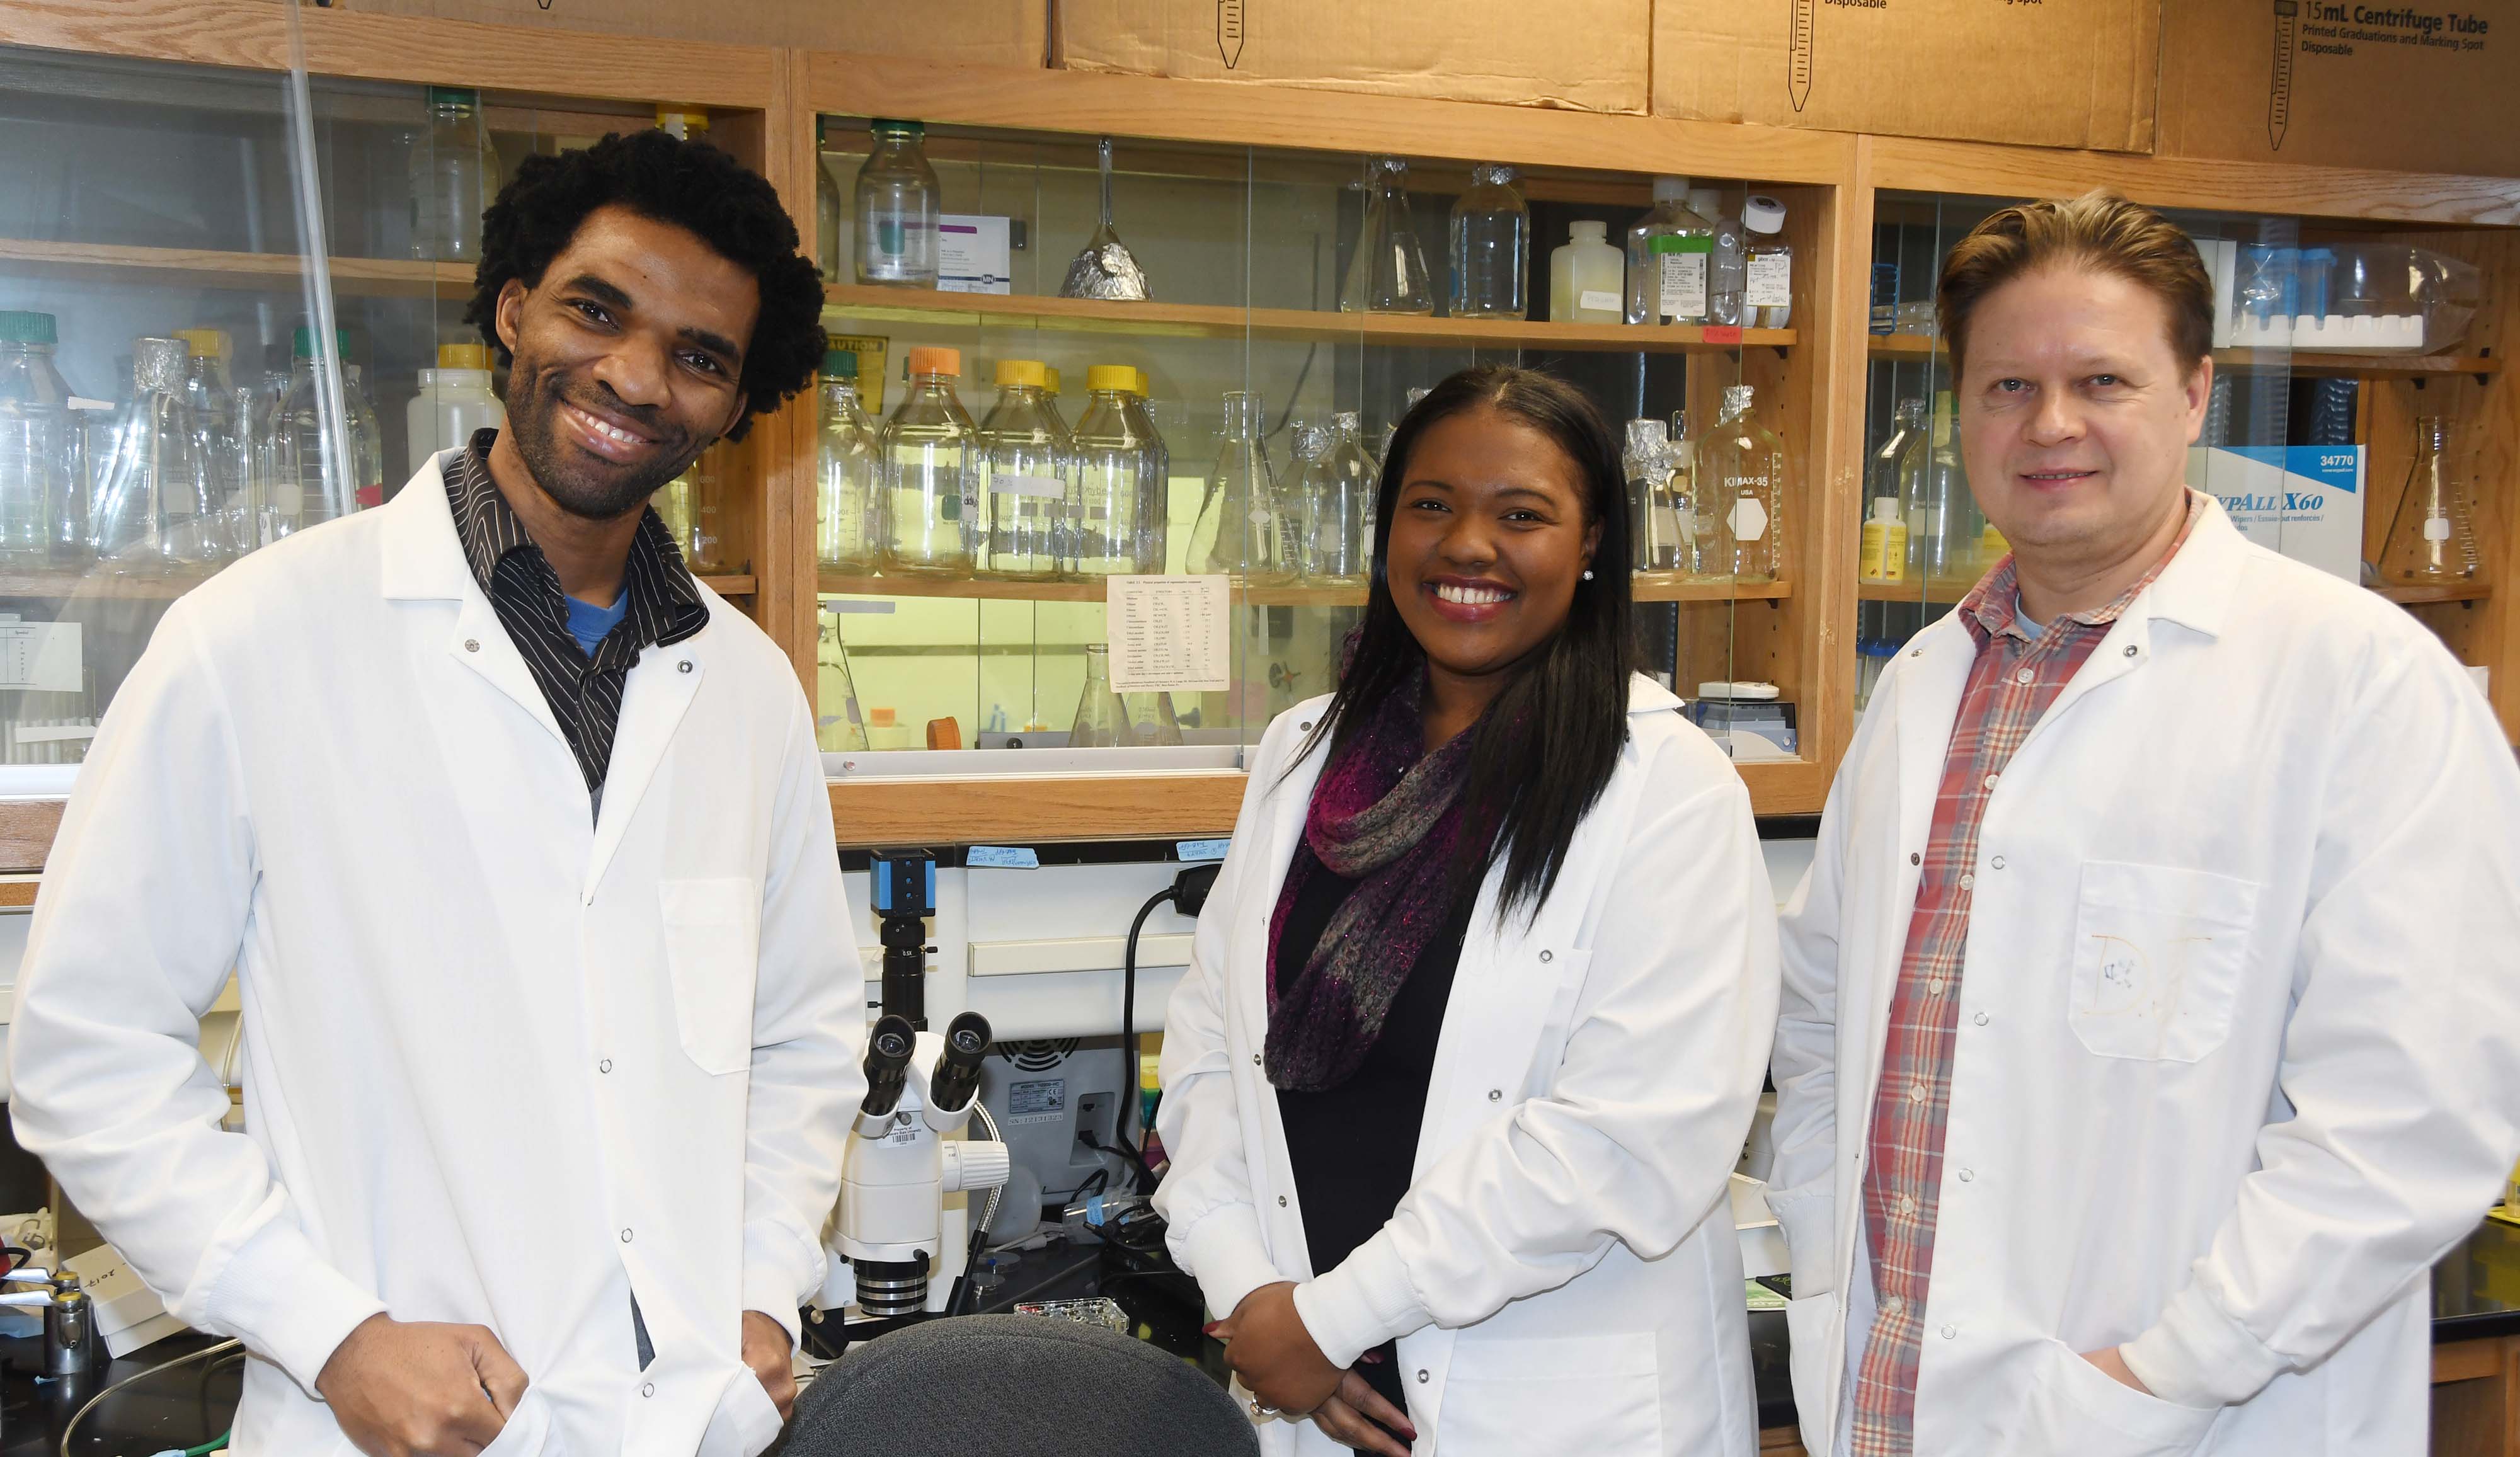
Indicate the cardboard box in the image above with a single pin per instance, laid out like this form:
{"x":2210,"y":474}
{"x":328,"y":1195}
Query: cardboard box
{"x":2061,"y":74}
{"x":1581,"y":55}
{"x":2304,"y":501}
{"x":2400,"y":84}
{"x":972,"y":32}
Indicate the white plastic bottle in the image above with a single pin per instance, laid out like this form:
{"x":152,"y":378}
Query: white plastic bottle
{"x":454,"y":401}
{"x":1767,"y":292}
{"x":1586,"y":277}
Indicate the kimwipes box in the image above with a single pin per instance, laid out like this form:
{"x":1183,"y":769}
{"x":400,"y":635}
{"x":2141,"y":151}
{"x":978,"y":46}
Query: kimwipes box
{"x":2063,"y":73}
{"x":1581,"y":55}
{"x":2304,"y":501}
{"x":2410,"y":86}
{"x":972,"y":32}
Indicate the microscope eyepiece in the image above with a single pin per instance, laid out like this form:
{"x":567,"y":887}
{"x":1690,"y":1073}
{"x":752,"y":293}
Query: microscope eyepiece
{"x":958,"y":1072}
{"x":890,"y":1047}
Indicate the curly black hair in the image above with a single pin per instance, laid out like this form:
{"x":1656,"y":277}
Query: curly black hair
{"x":690,"y":185}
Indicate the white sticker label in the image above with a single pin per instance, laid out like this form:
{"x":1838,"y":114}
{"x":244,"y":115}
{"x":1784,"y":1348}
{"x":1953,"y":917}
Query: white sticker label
{"x":42,"y":655}
{"x":1599,"y":298}
{"x":1028,"y":485}
{"x":1748,"y":520}
{"x":1170,"y":634}
{"x":1771,"y":283}
{"x":2436,"y":528}
{"x":1683,"y":285}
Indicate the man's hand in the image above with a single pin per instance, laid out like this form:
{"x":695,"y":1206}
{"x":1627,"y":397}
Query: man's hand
{"x":420,"y":1389}
{"x":2115,"y":1365}
{"x":766,"y":1351}
{"x":1267,"y":1346}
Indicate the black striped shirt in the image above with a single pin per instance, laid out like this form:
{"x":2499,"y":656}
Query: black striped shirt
{"x":584,"y":694}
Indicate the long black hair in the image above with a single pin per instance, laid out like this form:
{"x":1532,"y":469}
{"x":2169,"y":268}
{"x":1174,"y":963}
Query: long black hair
{"x":1545,"y":749}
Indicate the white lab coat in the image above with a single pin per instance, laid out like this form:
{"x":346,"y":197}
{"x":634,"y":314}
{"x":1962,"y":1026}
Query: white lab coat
{"x":503,"y":1065}
{"x":2239,"y":1028}
{"x":1563,"y":1273}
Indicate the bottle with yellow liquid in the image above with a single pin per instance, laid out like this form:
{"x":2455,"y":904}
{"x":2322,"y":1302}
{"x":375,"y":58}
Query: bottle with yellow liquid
{"x":1884,"y":554}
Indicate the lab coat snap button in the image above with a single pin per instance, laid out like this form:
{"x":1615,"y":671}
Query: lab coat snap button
{"x":1282,"y":1201}
{"x":1255,"y":1059}
{"x":686,"y":665}
{"x":625,"y":1236}
{"x":1496,"y":1094}
{"x":605,"y":1066}
{"x":471,"y":644}
{"x":2130,"y":649}
{"x":1423,"y":1378}
{"x":648,"y":1389}
{"x":1914,"y":859}
{"x":1548,"y":955}
{"x":1968,"y":1175}
{"x":1980,"y":1019}
{"x":1951,"y":1333}
{"x":1999,"y":862}
{"x":1304,"y":728}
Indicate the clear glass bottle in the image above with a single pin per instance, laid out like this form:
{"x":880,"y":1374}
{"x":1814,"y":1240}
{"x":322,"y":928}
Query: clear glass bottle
{"x":455,"y":176}
{"x":842,"y":726}
{"x":1693,"y":525}
{"x":2432,"y":541}
{"x":830,"y":226}
{"x":1767,"y":276}
{"x":154,"y":484}
{"x":1113,"y":461}
{"x":368,"y":437}
{"x":897,"y":206}
{"x":1669,"y":251}
{"x":1940,"y":544}
{"x":1743,"y":465}
{"x":39,"y":447}
{"x":1883,"y":555}
{"x":1240,"y":529}
{"x":1101,"y":719}
{"x":1154,"y":514}
{"x":1584,"y":275}
{"x":1024,"y":461}
{"x":1359,"y":478}
{"x":1491,"y":236}
{"x":1388,"y":273}
{"x":211,"y":401}
{"x":303,"y":493}
{"x":848,"y":523}
{"x":929,"y":504}
{"x":1329,"y":509}
{"x":1653,"y":526}
{"x":693,"y":508}
{"x":1725,"y":264}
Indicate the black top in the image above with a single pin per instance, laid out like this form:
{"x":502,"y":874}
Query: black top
{"x":584,"y":694}
{"x":1352,"y":1146}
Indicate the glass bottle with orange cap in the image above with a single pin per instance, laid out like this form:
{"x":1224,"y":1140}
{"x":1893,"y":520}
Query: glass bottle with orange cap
{"x":929,"y":490}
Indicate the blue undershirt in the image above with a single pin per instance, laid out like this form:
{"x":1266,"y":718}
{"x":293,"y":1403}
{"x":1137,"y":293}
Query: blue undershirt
{"x":589,"y":624}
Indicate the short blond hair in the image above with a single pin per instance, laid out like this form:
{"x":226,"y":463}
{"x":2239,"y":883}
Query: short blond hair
{"x":2099,"y":231}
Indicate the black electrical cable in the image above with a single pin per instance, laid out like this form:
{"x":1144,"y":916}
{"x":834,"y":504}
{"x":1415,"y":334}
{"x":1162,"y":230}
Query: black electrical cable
{"x":1188,"y":895}
{"x":206,"y":1352}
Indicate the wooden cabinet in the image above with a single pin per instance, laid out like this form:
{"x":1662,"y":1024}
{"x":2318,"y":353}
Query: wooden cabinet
{"x":1243,"y":192}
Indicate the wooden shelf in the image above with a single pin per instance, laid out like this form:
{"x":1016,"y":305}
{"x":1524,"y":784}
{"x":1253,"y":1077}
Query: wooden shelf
{"x":744,"y":585}
{"x":199,"y":268}
{"x":1942,"y":594}
{"x":2464,"y":591}
{"x":1225,"y":322}
{"x":2299,"y":361}
{"x":1648,"y":589}
{"x":64,"y":586}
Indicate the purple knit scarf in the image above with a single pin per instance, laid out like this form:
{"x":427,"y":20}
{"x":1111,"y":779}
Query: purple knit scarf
{"x":1387,"y":814}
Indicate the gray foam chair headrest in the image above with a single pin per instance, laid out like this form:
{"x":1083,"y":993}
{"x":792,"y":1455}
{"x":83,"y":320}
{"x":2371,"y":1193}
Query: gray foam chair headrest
{"x":1014,"y":1386}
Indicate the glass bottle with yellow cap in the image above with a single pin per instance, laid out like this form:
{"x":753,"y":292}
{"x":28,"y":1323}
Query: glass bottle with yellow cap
{"x":1155,"y":512}
{"x":1114,"y":456}
{"x":1023,"y":476}
{"x":929,"y":525}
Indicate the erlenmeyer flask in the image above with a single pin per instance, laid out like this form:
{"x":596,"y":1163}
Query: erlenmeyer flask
{"x":1239,"y":528}
{"x":1101,"y":721}
{"x":841,"y":728}
{"x":155,"y":486}
{"x":2432,"y":543}
{"x":1388,"y":273}
{"x":1150,"y":719}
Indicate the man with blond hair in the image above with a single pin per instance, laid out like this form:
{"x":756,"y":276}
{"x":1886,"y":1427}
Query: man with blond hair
{"x":2150,"y":1023}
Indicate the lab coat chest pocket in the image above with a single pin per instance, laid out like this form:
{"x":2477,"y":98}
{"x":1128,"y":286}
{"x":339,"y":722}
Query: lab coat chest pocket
{"x":713,"y":947}
{"x":2159,"y":953}
{"x":1582,"y":1394}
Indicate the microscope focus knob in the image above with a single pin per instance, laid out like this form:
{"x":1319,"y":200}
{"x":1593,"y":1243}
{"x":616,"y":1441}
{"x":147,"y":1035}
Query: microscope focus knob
{"x":974,"y":1163}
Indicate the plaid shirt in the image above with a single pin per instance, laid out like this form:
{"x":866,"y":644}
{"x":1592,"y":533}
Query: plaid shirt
{"x":2010,"y":684}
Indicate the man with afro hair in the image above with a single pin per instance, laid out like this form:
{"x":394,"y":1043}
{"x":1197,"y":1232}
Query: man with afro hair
{"x":517,"y":840}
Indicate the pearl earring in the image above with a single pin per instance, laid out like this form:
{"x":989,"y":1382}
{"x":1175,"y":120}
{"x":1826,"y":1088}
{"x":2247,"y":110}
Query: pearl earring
{"x":1587,"y":574}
